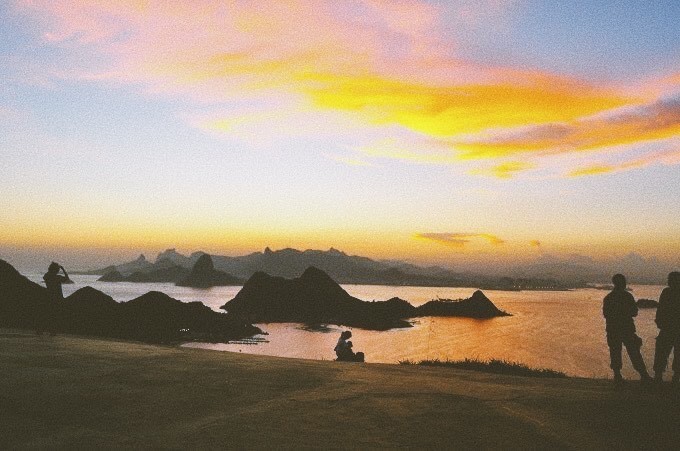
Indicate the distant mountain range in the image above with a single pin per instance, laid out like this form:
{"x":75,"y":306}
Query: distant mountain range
{"x":345,"y":269}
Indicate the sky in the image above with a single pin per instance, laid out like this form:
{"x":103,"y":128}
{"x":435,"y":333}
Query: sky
{"x":438,"y":132}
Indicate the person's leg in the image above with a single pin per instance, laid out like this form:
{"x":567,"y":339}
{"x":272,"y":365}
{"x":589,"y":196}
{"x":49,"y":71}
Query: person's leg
{"x":614,"y":343}
{"x":661,"y":353}
{"x":633,"y":344}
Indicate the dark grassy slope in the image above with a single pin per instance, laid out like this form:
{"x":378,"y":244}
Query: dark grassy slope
{"x":65,"y":392}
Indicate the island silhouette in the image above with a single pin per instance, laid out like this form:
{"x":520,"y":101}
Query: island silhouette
{"x":312,"y":298}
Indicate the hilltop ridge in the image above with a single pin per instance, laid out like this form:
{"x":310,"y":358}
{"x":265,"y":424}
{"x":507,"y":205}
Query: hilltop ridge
{"x":344,"y":268}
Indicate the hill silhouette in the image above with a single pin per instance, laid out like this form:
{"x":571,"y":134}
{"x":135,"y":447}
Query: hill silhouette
{"x":154,"y":316}
{"x":315,"y":297}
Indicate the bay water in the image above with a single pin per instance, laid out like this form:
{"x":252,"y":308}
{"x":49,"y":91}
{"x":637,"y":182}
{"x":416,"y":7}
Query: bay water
{"x":560,"y":330}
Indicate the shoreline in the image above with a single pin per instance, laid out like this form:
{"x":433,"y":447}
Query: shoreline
{"x":68,"y":391}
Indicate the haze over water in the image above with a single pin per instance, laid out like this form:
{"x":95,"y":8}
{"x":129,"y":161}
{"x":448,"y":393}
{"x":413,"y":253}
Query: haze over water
{"x":561,"y":330}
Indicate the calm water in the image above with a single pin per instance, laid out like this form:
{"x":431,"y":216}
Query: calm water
{"x":558,"y":330}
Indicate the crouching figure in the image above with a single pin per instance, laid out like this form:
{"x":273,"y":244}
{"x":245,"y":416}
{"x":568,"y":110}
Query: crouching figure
{"x":344,"y":349}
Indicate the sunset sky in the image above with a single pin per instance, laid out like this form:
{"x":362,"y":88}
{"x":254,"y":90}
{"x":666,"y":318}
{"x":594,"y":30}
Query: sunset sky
{"x":431,"y":131}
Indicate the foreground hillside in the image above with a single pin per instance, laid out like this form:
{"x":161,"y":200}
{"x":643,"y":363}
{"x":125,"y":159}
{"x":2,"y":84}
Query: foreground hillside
{"x":66,"y":392}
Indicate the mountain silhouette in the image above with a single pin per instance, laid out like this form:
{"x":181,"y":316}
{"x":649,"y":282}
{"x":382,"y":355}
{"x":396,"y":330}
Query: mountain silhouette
{"x":346,"y":269}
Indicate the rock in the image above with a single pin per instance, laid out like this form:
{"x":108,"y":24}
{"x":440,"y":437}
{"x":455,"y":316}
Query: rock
{"x":647,"y":303}
{"x":20,"y":299}
{"x":88,"y":311}
{"x":157,"y":317}
{"x":204,"y":275}
{"x":476,"y":306}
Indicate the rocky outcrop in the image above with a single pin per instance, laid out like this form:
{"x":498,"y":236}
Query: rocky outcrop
{"x":153,"y":317}
{"x":20,"y":299}
{"x":157,"y":317}
{"x":316,"y":298}
{"x":476,"y":306}
{"x":204,"y":275}
{"x":112,"y":276}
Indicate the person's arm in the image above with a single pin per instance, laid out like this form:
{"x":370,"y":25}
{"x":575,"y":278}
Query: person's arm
{"x":661,"y":309}
{"x":632,"y":305}
{"x":65,"y":273}
{"x":606,"y":308}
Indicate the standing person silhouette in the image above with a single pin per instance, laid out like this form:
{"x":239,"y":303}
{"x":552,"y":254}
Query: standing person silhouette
{"x":619,"y":308}
{"x":53,"y":281}
{"x":668,"y":322}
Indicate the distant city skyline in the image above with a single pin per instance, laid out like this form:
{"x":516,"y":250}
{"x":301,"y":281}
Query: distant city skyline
{"x":435,"y":132}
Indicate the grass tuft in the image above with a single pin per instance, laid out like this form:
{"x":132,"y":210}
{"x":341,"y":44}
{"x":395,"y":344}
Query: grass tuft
{"x":495,"y":366}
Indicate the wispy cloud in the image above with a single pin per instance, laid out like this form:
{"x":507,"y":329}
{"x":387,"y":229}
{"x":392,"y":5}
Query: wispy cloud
{"x":669,"y":157}
{"x":460,"y":239}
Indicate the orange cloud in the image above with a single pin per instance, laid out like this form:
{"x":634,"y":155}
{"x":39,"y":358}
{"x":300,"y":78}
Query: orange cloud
{"x":535,"y":243}
{"x":460,"y":239}
{"x":658,"y":120}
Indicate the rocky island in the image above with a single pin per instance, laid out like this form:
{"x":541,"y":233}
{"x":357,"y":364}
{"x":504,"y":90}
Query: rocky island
{"x":316,"y":298}
{"x":204,"y":275}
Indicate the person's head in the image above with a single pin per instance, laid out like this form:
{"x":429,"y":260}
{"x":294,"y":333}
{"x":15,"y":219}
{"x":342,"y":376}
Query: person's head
{"x":674,"y":279}
{"x":345,"y":335}
{"x":619,"y":281}
{"x":54,"y":267}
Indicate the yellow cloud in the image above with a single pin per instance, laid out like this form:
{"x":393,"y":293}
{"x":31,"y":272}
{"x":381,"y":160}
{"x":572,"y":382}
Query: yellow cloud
{"x":505,"y":170}
{"x":459,"y":240}
{"x":446,"y":111}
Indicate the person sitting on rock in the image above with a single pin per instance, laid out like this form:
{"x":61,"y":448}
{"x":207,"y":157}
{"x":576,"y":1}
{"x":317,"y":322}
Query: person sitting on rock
{"x":344,"y":349}
{"x":668,"y":322}
{"x":619,"y":308}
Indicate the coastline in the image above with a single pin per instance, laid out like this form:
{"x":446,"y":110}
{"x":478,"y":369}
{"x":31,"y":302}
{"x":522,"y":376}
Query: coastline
{"x":68,"y":391}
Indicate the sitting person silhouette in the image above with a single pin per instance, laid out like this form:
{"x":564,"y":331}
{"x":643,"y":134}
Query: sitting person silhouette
{"x":619,"y":308}
{"x":344,"y":349}
{"x":668,"y":322}
{"x":53,"y":281}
